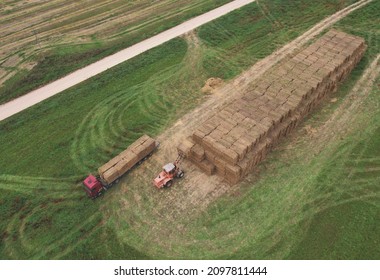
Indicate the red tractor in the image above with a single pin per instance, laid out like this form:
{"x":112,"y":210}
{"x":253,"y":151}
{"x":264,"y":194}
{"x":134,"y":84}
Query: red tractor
{"x":169,"y":172}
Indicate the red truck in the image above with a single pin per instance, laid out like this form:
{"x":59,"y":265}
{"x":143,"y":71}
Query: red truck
{"x":110,"y":173}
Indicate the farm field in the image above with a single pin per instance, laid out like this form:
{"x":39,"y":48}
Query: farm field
{"x":44,"y":40}
{"x":316,"y":195}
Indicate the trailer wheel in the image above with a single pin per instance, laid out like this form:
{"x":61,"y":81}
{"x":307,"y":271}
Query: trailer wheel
{"x":169,"y":184}
{"x":117,"y":180}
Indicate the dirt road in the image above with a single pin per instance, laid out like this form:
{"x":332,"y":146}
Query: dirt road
{"x":36,"y":96}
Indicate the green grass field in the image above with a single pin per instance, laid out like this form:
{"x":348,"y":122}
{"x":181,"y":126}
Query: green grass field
{"x":299,"y":205}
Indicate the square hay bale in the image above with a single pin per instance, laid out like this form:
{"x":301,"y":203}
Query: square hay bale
{"x":109,"y":164}
{"x":210,"y":156}
{"x":233,"y":171}
{"x":209,"y":143}
{"x":230,"y":138}
{"x":225,"y":114}
{"x":224,"y":129}
{"x":216,"y":134}
{"x":225,"y":143}
{"x":267,"y":122}
{"x":197,"y":152}
{"x":185,"y":146}
{"x":228,"y":155}
{"x":245,"y":166}
{"x":232,"y":180}
{"x":240,"y":149}
{"x":214,"y":121}
{"x":110,"y":175}
{"x":283,"y":96}
{"x":138,"y":142}
{"x":247,"y":123}
{"x":246,"y":142}
{"x":237,"y":117}
{"x":220,"y":165}
{"x":238,"y":131}
{"x":227,"y":125}
{"x":198,"y":136}
{"x":229,"y":109}
{"x":208,"y":127}
{"x":206,"y":166}
{"x":145,"y":148}
{"x":275,"y":116}
{"x":130,"y":158}
{"x":123,"y":166}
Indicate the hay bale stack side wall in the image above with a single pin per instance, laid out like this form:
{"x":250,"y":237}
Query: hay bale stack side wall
{"x":235,"y":139}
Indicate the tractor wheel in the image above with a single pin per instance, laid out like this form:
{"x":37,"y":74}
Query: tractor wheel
{"x":181,"y":174}
{"x":169,"y":184}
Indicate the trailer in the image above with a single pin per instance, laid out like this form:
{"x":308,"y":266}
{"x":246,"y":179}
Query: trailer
{"x":110,"y":173}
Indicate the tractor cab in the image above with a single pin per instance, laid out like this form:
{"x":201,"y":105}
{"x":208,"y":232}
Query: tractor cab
{"x":169,"y":169}
{"x":92,"y":186}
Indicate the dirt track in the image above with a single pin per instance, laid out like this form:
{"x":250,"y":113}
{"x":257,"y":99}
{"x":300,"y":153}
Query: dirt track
{"x":36,"y":96}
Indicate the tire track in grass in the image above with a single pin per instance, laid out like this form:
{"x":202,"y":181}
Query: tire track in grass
{"x":97,"y":131}
{"x":54,"y":250}
{"x":20,"y":242}
{"x":30,"y":185}
{"x":106,"y":125}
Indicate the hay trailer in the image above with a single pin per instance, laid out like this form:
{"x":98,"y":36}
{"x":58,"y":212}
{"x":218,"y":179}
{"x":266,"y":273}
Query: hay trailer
{"x":110,"y":173}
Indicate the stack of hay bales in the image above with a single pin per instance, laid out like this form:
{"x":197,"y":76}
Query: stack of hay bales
{"x":236,"y":138}
{"x":120,"y":164}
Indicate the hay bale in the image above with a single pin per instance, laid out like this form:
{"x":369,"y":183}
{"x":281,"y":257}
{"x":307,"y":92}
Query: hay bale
{"x":240,"y":149}
{"x":185,"y":146}
{"x":211,"y":84}
{"x":145,"y":148}
{"x":232,"y":173}
{"x":123,"y":166}
{"x":220,"y":166}
{"x":131,"y":159}
{"x":198,"y":136}
{"x":109,"y":164}
{"x":110,"y":175}
{"x":197,"y":152}
{"x":206,"y":166}
{"x":138,"y":142}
